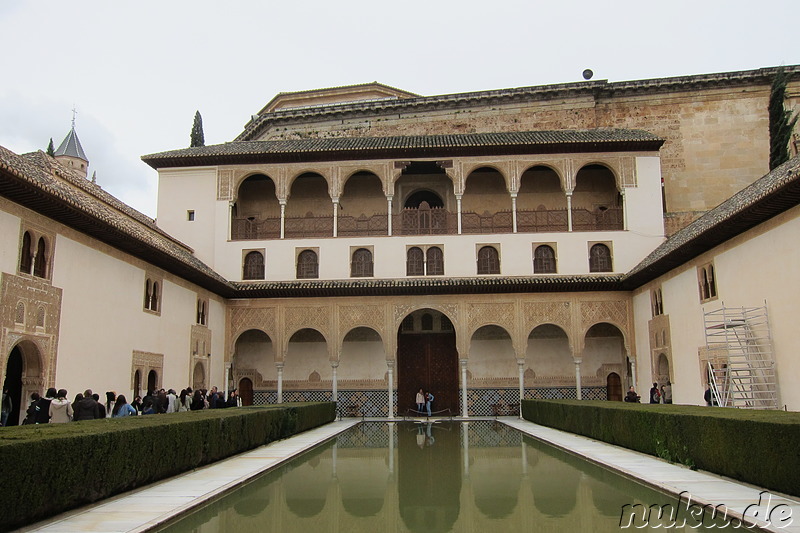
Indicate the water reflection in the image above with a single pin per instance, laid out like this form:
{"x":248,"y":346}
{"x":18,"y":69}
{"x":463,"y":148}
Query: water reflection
{"x":428,"y":477}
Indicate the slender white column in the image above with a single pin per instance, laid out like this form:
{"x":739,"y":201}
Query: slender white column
{"x":569,"y":211}
{"x":279,"y":366}
{"x":578,"y":378}
{"x":624,"y":210}
{"x":335,"y":391}
{"x":389,"y":214}
{"x":514,"y":212}
{"x":390,"y":376}
{"x":633,"y":373}
{"x":458,"y":204}
{"x":230,"y":220}
{"x":228,"y":367}
{"x":464,"y":412}
{"x":335,"y":216}
{"x":283,"y":218}
{"x":521,"y":370}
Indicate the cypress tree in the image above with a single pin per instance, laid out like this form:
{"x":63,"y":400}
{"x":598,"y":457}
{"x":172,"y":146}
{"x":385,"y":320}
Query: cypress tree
{"x":197,"y":138}
{"x":781,"y":122}
{"x":50,"y":150}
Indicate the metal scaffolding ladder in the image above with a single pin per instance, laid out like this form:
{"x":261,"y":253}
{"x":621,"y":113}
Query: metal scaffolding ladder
{"x":742,"y":373}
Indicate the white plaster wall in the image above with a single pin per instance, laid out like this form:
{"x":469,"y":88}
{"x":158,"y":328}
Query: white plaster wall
{"x":103,"y":322}
{"x":750,"y":270}
{"x":9,"y":242}
{"x":492,"y":359}
{"x":181,"y":190}
{"x":303,"y":358}
{"x":257,"y":355}
{"x":549,"y":357}
{"x":643,"y":203}
{"x":362,"y":360}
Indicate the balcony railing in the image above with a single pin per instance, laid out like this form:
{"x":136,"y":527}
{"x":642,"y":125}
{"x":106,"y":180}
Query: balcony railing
{"x":431,"y":221}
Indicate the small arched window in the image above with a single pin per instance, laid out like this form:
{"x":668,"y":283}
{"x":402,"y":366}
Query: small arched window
{"x":40,"y":263}
{"x":201,"y":311}
{"x":426,"y":323}
{"x":600,"y":258}
{"x":415,"y":262}
{"x":488,"y":260}
{"x":155,"y":303}
{"x":435,"y":261}
{"x":148,"y":293}
{"x":307,"y":265}
{"x":361,"y":265}
{"x":712,"y":282}
{"x":408,"y":323}
{"x":19,"y":317}
{"x":544,"y":260}
{"x":253,"y":266}
{"x":26,"y":254}
{"x":40,"y":317}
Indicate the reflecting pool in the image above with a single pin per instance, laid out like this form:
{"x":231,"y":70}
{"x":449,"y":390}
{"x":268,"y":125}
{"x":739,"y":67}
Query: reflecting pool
{"x":434,"y":477}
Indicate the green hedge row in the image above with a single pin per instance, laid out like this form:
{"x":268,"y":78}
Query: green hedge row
{"x":757,"y":447}
{"x":50,"y":468}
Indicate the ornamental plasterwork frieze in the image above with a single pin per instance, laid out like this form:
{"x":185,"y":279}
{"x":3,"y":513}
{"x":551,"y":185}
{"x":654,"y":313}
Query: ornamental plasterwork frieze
{"x":225,"y":184}
{"x":148,"y":359}
{"x":614,"y":312}
{"x":403,"y":310}
{"x":352,"y":316}
{"x":297,"y":318}
{"x":244,"y":318}
{"x":481,"y":314}
{"x":537,"y":313}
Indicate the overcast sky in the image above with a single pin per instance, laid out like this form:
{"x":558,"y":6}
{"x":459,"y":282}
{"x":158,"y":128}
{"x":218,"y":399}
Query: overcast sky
{"x":137,"y":71}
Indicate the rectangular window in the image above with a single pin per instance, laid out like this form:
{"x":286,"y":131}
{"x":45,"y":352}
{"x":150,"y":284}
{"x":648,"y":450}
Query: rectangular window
{"x":190,"y":215}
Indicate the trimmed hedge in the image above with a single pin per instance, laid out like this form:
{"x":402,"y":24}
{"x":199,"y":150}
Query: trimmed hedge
{"x":757,"y":447}
{"x":50,"y":468}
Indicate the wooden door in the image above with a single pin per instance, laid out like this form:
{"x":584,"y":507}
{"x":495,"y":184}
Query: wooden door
{"x":614,"y":387}
{"x":246,"y":391}
{"x":428,"y":361}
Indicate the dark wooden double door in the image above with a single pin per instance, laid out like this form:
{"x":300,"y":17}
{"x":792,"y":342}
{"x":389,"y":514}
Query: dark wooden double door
{"x":428,"y":361}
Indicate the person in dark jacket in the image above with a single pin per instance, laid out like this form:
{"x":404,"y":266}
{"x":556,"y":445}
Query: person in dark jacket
{"x":87,"y":408}
{"x":43,"y":406}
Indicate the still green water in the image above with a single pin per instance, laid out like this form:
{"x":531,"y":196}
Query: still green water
{"x":480,"y":476}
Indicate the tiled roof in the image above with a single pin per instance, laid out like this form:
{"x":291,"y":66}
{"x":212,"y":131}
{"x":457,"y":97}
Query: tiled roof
{"x":772,"y":194}
{"x":602,"y":139}
{"x":77,"y":203}
{"x":262,"y":122}
{"x":427,"y":286}
{"x":71,"y":146}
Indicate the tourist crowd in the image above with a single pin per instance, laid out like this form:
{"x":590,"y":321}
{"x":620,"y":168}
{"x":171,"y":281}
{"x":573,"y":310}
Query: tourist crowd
{"x":55,"y":407}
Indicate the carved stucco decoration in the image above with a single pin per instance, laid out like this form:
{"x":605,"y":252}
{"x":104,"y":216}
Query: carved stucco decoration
{"x":614,"y":312}
{"x":225,"y":179}
{"x":313,"y":317}
{"x":403,"y":310}
{"x":144,"y":362}
{"x":537,"y":313}
{"x":482,"y":314}
{"x":245,"y":318}
{"x":353,"y":316}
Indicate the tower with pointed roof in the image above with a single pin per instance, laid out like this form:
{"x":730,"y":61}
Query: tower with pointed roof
{"x":70,"y":153}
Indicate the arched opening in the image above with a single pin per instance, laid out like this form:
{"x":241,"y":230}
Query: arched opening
{"x":427,"y":201}
{"x":415,"y":262}
{"x":362,"y":206}
{"x":488,"y":260}
{"x":662,"y":377}
{"x":23,"y":376}
{"x":596,"y":201}
{"x":137,"y":383}
{"x":309,"y":210}
{"x":257,"y":212}
{"x":26,"y":256}
{"x":600,"y":258}
{"x":486,"y":203}
{"x":548,"y":358}
{"x":544,"y":260}
{"x":492,"y":359}
{"x":199,"y":376}
{"x":361,"y":265}
{"x":363,"y":356}
{"x":541,"y":202}
{"x":603,"y":353}
{"x":428,"y":360}
{"x":614,"y":387}
{"x":40,"y":262}
{"x":254,"y":355}
{"x":307,"y":265}
{"x":307,"y":364}
{"x":152,"y":381}
{"x":253,"y":267}
{"x":246,"y":391}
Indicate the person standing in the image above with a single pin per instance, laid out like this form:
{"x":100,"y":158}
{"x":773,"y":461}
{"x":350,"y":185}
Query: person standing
{"x":666,"y":392}
{"x":60,"y":409}
{"x":420,"y":401}
{"x":173,"y":405}
{"x":655,"y":396}
{"x":428,"y":402}
{"x":122,"y":408}
{"x":87,"y":408}
{"x":43,"y":406}
{"x":7,"y":407}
